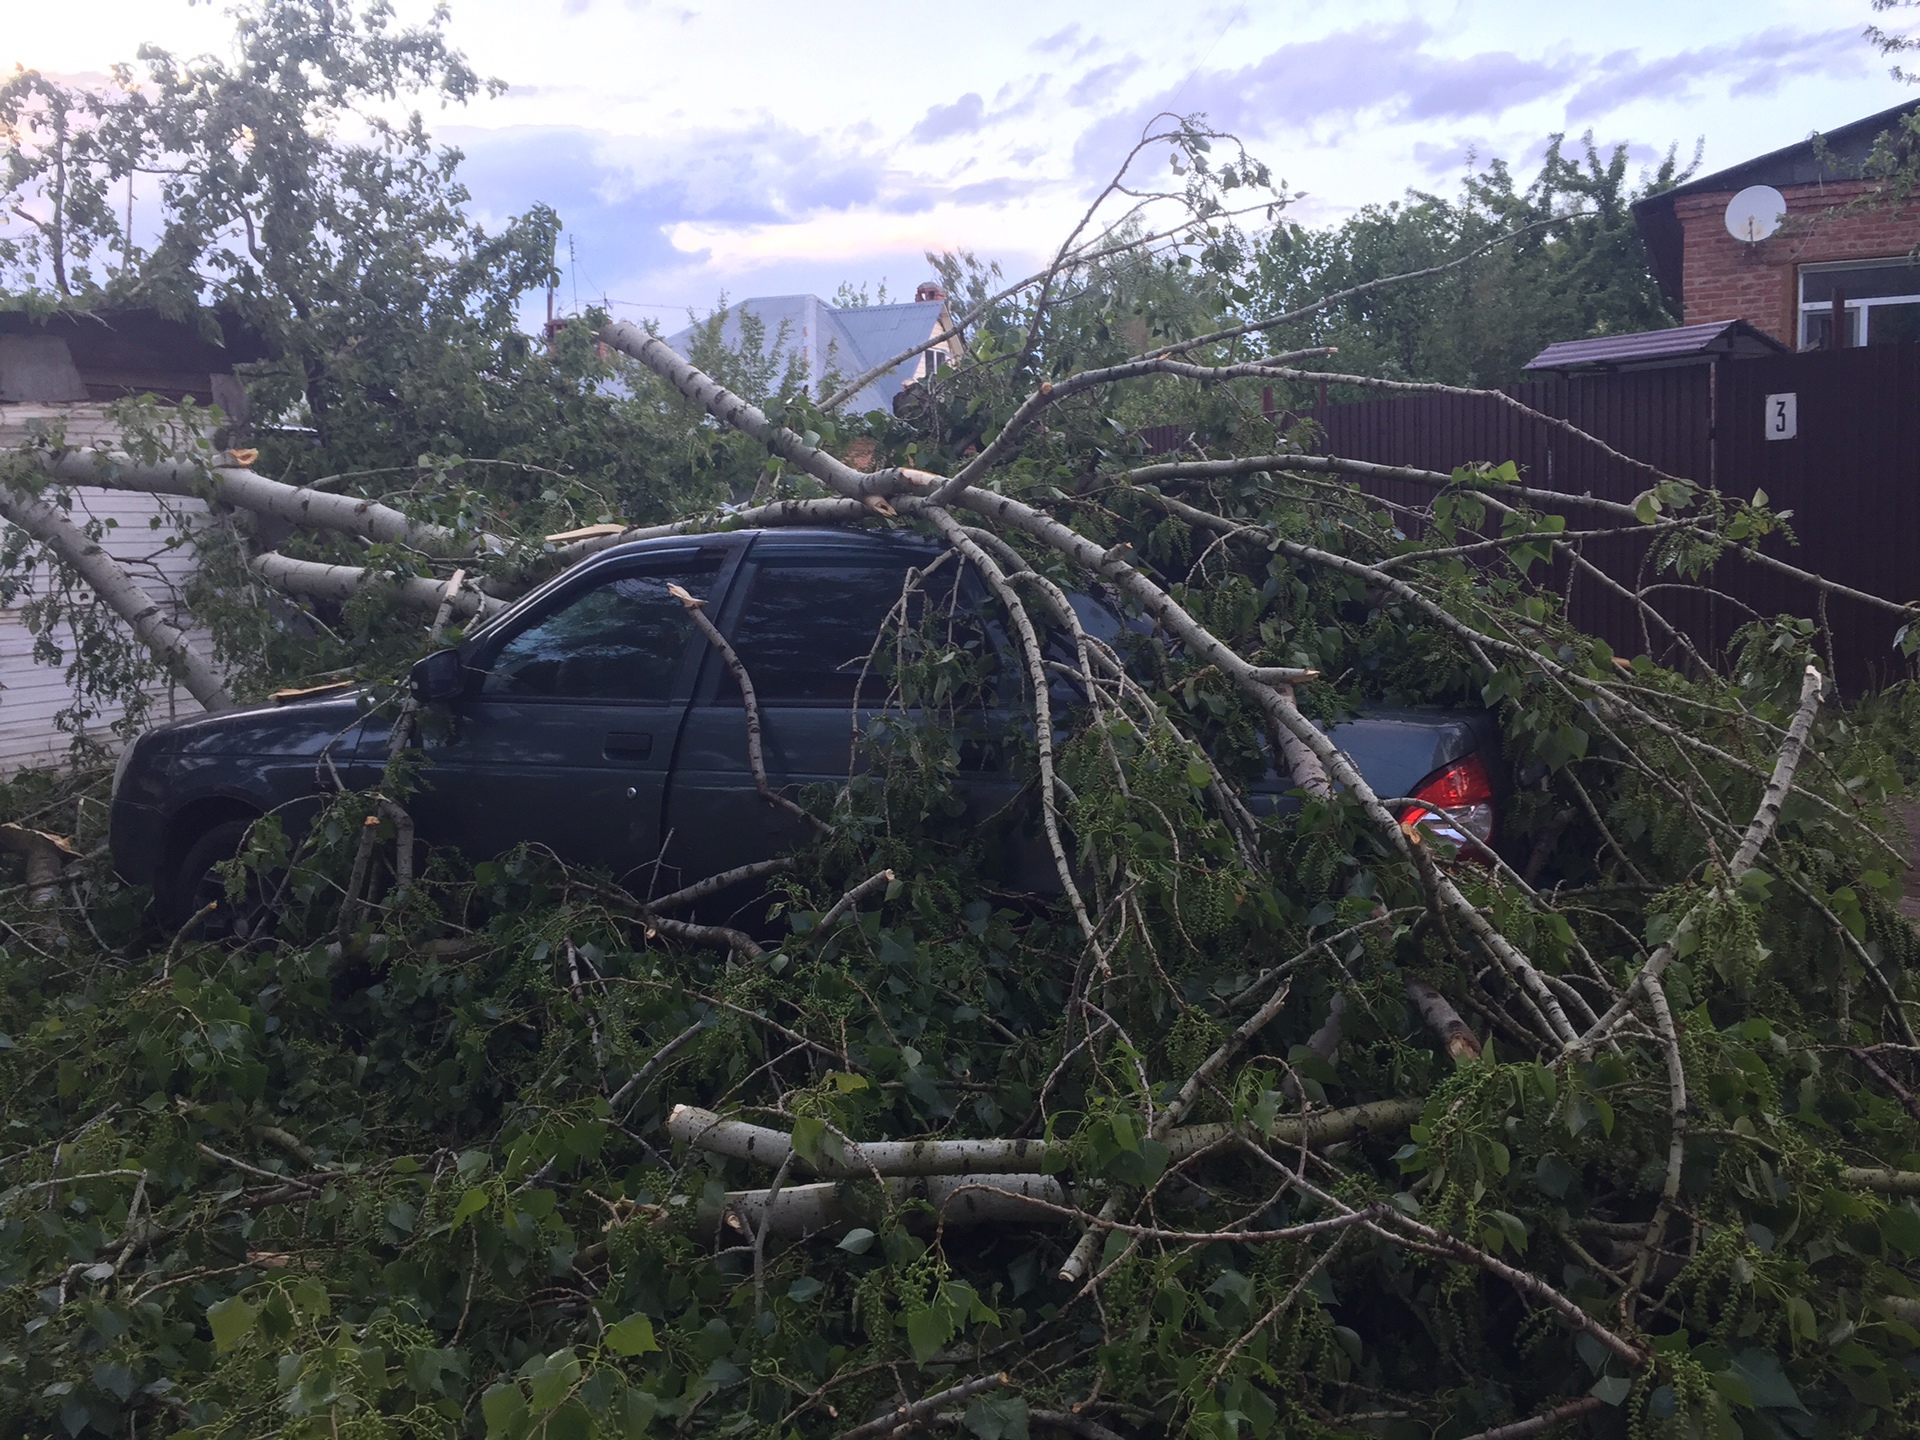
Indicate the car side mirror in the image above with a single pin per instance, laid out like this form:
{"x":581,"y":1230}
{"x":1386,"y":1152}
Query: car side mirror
{"x":441,"y":676}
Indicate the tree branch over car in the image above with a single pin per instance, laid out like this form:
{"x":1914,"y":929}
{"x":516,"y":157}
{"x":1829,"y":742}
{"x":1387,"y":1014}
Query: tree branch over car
{"x":1018,"y":933}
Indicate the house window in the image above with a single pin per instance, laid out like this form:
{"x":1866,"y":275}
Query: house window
{"x":1880,"y":302}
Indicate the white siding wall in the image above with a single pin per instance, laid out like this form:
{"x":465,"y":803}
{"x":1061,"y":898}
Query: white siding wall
{"x":32,"y":694}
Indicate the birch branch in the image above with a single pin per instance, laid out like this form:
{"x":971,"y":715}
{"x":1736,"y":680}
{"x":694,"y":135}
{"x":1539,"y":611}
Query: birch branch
{"x":905,"y":1415}
{"x":750,"y":702}
{"x":714,"y":884}
{"x":308,"y":508}
{"x":1443,"y":480}
{"x":1765,"y":818}
{"x":340,"y":583}
{"x":1444,"y":1020}
{"x":999,"y":1199}
{"x":847,"y":902}
{"x":762,"y":1145}
{"x":120,"y":592}
{"x":1544,"y":1421}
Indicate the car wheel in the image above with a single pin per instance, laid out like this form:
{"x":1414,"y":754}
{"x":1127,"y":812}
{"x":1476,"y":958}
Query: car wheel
{"x":199,"y":889}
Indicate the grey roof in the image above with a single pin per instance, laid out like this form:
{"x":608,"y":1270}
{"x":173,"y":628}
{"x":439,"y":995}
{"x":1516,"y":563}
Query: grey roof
{"x":1837,"y":154}
{"x":840,"y":343}
{"x":1650,"y":349}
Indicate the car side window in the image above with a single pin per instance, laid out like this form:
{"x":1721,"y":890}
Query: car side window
{"x":807,"y":630}
{"x":621,"y":640}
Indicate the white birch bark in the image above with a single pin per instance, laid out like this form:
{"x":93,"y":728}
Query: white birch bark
{"x":340,"y":583}
{"x":308,"y":508}
{"x":120,"y":592}
{"x":799,"y":1210}
{"x":741,"y":1140}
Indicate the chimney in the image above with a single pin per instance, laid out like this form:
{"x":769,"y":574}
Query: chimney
{"x":929,"y":290}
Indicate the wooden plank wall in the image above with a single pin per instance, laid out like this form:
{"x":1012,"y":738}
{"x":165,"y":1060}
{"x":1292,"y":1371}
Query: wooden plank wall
{"x":33,"y":694}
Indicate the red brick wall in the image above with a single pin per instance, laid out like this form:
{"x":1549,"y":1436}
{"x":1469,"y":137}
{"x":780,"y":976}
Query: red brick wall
{"x":1728,"y":279}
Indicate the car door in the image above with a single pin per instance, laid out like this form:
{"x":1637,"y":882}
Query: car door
{"x":566,"y":733}
{"x":804,"y":624}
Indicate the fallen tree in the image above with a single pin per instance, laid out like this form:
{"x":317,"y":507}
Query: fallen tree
{"x":1313,"y":1123}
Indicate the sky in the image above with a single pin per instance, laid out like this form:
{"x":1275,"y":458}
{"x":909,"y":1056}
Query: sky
{"x":756,"y":148}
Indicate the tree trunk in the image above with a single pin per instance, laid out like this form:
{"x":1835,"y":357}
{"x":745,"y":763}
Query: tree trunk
{"x":121,"y":593}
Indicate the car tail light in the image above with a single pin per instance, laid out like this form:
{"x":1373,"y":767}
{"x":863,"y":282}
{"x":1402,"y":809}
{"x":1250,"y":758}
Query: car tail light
{"x":1464,"y":790}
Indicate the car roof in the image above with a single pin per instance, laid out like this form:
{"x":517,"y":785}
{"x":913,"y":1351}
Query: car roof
{"x":793,"y":537}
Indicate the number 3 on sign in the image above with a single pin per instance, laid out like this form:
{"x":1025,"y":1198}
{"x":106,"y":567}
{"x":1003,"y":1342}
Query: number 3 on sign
{"x":1783,"y":417}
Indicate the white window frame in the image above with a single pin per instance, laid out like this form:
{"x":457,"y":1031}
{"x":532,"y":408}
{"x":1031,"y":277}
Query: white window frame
{"x":1860,"y":310}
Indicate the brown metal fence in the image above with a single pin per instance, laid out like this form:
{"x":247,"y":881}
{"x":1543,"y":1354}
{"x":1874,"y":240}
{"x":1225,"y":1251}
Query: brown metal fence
{"x":1849,"y":472}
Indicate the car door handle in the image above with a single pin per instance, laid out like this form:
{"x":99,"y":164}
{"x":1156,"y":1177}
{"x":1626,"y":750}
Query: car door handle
{"x":628,"y":745}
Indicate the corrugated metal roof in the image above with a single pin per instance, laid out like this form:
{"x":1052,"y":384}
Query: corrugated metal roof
{"x":1683,"y":344}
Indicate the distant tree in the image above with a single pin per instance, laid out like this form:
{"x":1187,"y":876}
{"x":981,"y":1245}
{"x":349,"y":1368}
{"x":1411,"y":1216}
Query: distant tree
{"x":1895,"y":41}
{"x":292,"y":195}
{"x":1575,"y":268}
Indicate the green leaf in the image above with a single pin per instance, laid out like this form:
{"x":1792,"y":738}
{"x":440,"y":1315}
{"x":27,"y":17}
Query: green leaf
{"x":635,"y":1411}
{"x":570,"y":1422}
{"x":857,"y":1241}
{"x":997,"y":1416}
{"x":927,"y":1331}
{"x":1612,"y":1388}
{"x":232,"y":1320}
{"x":1553,"y":1175}
{"x":310,"y":1296}
{"x":504,"y":1406}
{"x":1646,"y":506}
{"x":1900,"y":1228}
{"x":1766,"y":1380}
{"x":552,"y":1376}
{"x":808,"y":1131}
{"x":1733,"y":1387}
{"x":471,"y":1204}
{"x":1800,"y":1317}
{"x":632,"y":1336}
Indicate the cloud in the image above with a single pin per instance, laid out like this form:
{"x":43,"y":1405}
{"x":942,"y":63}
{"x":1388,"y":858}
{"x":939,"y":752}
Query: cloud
{"x":1067,"y":42}
{"x":1394,"y":73}
{"x":1756,"y":64}
{"x":1098,"y":84}
{"x":646,"y":219}
{"x":1444,"y":157}
{"x":969,"y":115}
{"x":963,"y":117}
{"x":1327,"y":82}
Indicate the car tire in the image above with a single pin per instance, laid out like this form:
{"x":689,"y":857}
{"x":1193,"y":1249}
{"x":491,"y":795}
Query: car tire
{"x":198,"y":883}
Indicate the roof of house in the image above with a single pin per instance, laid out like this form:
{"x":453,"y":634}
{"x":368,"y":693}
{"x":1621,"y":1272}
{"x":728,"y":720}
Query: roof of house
{"x":1651,"y":349}
{"x":1837,"y":154}
{"x":73,"y":354}
{"x":830,"y":341}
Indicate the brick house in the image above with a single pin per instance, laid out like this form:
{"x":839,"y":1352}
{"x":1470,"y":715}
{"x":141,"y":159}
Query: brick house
{"x":1831,"y":254}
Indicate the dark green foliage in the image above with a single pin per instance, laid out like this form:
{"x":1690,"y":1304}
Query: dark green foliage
{"x":405,"y":1170}
{"x":386,"y":1191}
{"x":1577,"y":269}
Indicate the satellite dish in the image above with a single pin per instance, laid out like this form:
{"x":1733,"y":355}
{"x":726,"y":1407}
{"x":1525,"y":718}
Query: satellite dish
{"x":1755,"y":213}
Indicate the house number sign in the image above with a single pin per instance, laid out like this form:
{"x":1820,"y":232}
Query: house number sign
{"x":1783,"y":417}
